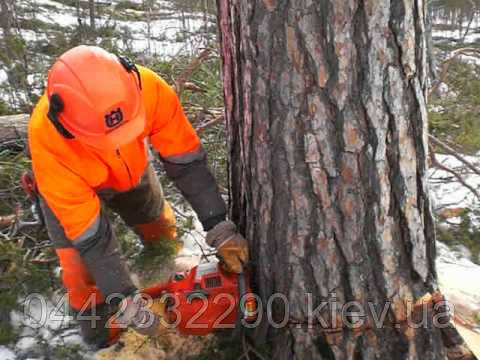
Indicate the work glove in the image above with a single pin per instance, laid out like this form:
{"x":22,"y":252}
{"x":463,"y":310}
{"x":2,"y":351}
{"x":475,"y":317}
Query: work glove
{"x":135,"y":313}
{"x":232,"y":248}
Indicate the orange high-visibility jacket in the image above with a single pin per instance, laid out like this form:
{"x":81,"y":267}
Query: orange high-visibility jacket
{"x":69,"y":175}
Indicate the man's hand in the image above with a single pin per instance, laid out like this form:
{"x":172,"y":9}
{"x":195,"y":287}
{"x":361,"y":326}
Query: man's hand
{"x":232,"y":248}
{"x":135,"y":313}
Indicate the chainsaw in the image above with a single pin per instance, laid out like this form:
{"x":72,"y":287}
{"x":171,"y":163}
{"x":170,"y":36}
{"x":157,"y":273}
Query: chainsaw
{"x":204,"y":299}
{"x":196,"y":302}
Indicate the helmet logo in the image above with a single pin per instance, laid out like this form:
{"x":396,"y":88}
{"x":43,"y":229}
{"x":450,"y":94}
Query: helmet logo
{"x":114,"y":118}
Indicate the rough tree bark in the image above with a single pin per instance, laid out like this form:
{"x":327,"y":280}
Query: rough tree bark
{"x":325,"y":108}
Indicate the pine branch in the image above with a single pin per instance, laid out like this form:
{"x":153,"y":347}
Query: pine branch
{"x":446,"y":64}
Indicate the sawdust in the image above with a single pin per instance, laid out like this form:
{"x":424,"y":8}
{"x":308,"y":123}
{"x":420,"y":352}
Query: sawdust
{"x":132,"y":346}
{"x":167,"y":346}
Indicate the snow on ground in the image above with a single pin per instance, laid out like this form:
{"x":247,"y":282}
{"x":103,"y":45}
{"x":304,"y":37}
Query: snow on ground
{"x":30,"y":35}
{"x":470,"y":59}
{"x":454,"y":36}
{"x":471,"y":38}
{"x":458,"y":281}
{"x":445,"y":192}
{"x":3,"y":76}
{"x":472,"y":338}
{"x":166,"y":36}
{"x":170,"y":36}
{"x":43,"y":321}
{"x":445,"y":30}
{"x":193,"y":240}
{"x":458,"y":278}
{"x":6,"y":354}
{"x":55,"y":4}
{"x":439,"y":18}
{"x":164,"y":32}
{"x":58,"y":18}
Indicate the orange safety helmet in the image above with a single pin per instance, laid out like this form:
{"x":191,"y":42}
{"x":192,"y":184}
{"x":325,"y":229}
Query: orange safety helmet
{"x":95,"y":97}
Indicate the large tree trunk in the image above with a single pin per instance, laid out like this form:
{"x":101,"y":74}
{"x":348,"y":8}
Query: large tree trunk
{"x":325,"y":107}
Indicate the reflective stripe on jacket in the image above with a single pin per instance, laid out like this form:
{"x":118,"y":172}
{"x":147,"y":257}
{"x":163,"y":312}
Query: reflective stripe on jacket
{"x":69,"y":175}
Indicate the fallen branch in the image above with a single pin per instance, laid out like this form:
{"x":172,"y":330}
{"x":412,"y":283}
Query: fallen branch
{"x":13,"y":127}
{"x":454,"y":153}
{"x":439,"y":165}
{"x":43,"y":261}
{"x":192,"y":87}
{"x":7,"y":220}
{"x":188,"y":72}
{"x":209,"y":124}
{"x":214,"y":111}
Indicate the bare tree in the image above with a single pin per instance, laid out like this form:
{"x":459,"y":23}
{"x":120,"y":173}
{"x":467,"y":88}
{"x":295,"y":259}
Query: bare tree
{"x":14,"y":57}
{"x":326,"y":113}
{"x":91,"y":8}
{"x":6,"y":17}
{"x":77,"y":7}
{"x":147,"y":7}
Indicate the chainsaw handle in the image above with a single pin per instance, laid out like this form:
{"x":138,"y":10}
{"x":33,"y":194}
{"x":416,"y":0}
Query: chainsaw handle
{"x":242,"y":291}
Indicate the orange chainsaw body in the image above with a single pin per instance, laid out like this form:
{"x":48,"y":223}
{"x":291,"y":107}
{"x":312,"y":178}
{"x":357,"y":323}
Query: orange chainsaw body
{"x":203,"y":299}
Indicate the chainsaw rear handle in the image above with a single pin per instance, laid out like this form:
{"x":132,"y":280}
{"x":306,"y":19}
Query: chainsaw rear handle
{"x":242,"y":291}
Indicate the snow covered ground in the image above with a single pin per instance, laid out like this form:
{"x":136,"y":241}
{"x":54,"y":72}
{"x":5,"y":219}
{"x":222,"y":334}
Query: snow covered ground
{"x":447,"y":29}
{"x":43,"y":325}
{"x":447,"y":193}
{"x":6,"y":353}
{"x":457,"y":277}
{"x":168,"y":34}
{"x":458,"y":281}
{"x":167,"y":28}
{"x":456,"y":35}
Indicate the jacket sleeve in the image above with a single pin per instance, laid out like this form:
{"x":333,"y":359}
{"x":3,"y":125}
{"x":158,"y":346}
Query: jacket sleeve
{"x":73,"y":202}
{"x":183,"y":157}
{"x":77,"y":208}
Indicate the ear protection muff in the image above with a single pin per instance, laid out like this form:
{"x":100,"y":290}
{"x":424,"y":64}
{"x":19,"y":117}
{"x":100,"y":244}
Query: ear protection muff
{"x":130,"y":66}
{"x":55,"y":108}
{"x":56,"y":104}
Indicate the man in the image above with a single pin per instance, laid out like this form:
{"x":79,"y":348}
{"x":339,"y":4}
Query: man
{"x":87,"y":137}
